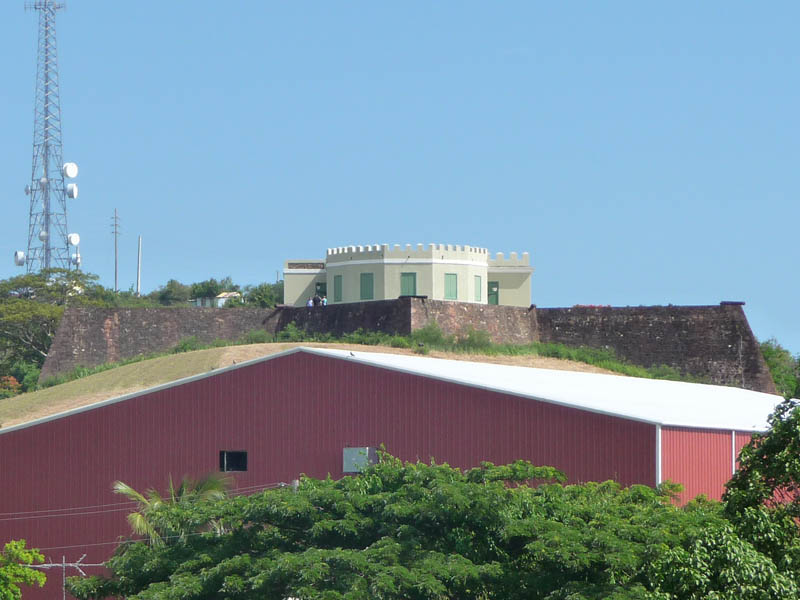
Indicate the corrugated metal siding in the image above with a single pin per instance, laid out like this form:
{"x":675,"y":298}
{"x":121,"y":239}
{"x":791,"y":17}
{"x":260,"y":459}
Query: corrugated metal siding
{"x":292,"y":415}
{"x":700,"y":459}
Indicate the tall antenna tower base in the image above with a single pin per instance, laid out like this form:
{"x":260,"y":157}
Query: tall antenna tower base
{"x":48,"y":240}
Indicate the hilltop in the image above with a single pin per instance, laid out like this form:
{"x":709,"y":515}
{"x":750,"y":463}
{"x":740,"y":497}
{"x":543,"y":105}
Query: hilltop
{"x":139,"y":376}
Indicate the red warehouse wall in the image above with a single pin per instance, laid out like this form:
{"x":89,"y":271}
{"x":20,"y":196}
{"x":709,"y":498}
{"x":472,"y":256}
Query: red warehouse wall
{"x":700,"y":459}
{"x":292,"y":414}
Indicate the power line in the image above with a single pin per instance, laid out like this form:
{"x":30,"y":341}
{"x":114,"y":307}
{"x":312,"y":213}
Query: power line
{"x":112,"y":507}
{"x":169,"y":537}
{"x":48,"y":510}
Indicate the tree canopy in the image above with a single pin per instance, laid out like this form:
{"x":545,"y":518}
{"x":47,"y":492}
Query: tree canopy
{"x":15,"y":570}
{"x":32,"y":304}
{"x":784,"y":368}
{"x":417,"y":531}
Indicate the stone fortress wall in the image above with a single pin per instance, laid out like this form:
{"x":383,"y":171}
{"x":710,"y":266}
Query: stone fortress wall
{"x":713,"y":342}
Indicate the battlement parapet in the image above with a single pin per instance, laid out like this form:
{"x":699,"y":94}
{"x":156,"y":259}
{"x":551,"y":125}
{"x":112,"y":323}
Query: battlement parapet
{"x":513,"y":260}
{"x":385,"y":252}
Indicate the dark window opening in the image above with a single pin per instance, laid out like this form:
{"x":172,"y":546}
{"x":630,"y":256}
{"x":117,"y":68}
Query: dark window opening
{"x":230,"y":460}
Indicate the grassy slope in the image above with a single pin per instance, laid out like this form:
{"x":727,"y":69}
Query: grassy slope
{"x":142,"y":375}
{"x":108,"y":384}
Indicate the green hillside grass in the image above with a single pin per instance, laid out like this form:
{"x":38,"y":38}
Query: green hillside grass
{"x":84,"y":386}
{"x":108,"y":384}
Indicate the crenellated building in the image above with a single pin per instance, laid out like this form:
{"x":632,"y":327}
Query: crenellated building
{"x":384,"y":272}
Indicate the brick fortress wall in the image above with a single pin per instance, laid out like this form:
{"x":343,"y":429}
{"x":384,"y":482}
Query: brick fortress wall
{"x":713,"y":342}
{"x":93,"y":336}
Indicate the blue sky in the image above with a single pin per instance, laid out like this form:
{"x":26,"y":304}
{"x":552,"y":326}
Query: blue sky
{"x":642,"y":154}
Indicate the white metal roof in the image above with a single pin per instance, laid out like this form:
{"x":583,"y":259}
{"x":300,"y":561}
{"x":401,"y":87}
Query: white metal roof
{"x":654,"y":401}
{"x":650,"y":400}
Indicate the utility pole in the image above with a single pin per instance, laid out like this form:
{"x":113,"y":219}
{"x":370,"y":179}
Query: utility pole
{"x":115,"y":232}
{"x":139,"y":270}
{"x":63,"y":566}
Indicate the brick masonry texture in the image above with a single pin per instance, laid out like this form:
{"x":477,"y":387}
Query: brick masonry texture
{"x":93,"y":336}
{"x":505,"y":324}
{"x":712,"y":342}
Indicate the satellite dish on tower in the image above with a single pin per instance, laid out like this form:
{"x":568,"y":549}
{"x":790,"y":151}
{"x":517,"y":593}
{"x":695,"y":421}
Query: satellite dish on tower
{"x":72,"y":190}
{"x":43,"y":236}
{"x":74,"y":239}
{"x":70,"y":170}
{"x":19,"y":258}
{"x":75,"y":259}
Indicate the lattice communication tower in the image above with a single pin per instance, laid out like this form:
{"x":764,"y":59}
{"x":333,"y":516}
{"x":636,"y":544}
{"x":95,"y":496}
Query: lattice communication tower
{"x":48,"y":241}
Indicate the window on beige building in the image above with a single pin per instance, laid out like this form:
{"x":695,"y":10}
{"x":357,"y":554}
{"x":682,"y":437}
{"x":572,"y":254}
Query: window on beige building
{"x":337,"y":288}
{"x":367,"y":286}
{"x":408,"y":284}
{"x":450,"y":286}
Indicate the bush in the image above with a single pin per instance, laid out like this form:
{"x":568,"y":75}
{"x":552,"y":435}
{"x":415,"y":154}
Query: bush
{"x":9,"y":386}
{"x":430,"y":335}
{"x":473,"y":339}
{"x":291,"y":333}
{"x":27,"y":374}
{"x":398,"y":341}
{"x":257,"y":336}
{"x":188,"y":344}
{"x":665,"y":372}
{"x":367,"y":338}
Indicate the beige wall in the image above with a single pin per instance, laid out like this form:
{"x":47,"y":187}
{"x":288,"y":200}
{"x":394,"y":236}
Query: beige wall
{"x":515,"y":286}
{"x":299,"y":284}
{"x":430,"y":263}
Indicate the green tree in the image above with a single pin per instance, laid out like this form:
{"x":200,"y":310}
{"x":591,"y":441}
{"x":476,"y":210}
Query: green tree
{"x":31,"y":306}
{"x":146,"y":521}
{"x":264,"y":295}
{"x":15,"y":570}
{"x":173,"y":293}
{"x":27,"y":328}
{"x":417,"y":531}
{"x":762,"y":499}
{"x":784,"y":368}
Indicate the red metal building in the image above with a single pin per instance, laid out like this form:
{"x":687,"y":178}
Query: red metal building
{"x":296,"y":412}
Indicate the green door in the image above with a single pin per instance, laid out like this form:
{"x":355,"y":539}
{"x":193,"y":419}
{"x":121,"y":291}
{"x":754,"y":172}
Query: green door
{"x":494,"y":293}
{"x":337,"y":288}
{"x":450,"y":286}
{"x":367,"y":286}
{"x":408,"y":284}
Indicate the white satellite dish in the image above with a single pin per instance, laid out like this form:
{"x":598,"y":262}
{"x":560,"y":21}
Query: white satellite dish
{"x":19,"y":258}
{"x":70,"y":170}
{"x":74,"y":239}
{"x":43,"y":236}
{"x":72,"y":190}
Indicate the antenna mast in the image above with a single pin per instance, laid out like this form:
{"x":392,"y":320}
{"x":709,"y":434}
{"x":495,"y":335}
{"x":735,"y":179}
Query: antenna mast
{"x":48,"y":241}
